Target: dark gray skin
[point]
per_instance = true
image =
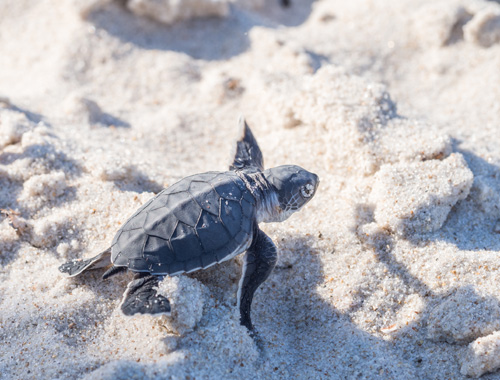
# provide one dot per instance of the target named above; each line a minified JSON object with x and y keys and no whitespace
{"x":203,"y":220}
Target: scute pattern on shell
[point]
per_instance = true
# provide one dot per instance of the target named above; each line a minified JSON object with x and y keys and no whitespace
{"x":195,"y":223}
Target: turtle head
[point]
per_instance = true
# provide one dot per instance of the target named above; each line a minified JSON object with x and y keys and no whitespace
{"x":293,"y":186}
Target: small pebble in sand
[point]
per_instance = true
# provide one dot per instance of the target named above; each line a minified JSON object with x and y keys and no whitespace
{"x":482,"y":356}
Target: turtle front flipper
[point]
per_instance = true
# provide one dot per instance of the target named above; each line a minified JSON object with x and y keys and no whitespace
{"x":75,"y":267}
{"x":259,"y":262}
{"x":141,"y":297}
{"x":248,"y":154}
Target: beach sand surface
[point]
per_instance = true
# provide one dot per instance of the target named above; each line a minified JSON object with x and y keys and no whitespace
{"x":392,"y":271}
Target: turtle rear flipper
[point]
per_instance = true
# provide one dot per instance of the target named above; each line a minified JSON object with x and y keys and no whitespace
{"x":75,"y":267}
{"x":141,"y":297}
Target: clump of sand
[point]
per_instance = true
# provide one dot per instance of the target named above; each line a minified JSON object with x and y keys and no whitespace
{"x":417,"y":197}
{"x":482,"y":356}
{"x":463,"y":317}
{"x":443,"y":23}
{"x":168,"y":11}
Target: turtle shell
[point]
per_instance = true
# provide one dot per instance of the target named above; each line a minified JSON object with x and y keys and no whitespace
{"x":197,"y":222}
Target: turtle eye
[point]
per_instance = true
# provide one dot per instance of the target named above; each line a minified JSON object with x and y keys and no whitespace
{"x":307,"y":190}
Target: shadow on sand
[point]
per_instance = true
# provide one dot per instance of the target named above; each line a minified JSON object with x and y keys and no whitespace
{"x":470,"y":224}
{"x":206,"y":38}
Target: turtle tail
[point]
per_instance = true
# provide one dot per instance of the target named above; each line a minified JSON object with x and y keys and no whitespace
{"x":75,"y":267}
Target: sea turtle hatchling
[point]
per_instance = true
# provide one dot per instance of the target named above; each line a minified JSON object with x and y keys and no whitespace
{"x":203,"y":220}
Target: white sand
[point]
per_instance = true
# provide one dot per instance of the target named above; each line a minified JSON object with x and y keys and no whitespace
{"x":391,"y":272}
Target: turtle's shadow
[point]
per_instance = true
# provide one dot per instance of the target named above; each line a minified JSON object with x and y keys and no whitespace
{"x":291,"y":309}
{"x":294,"y":308}
{"x":205,"y":38}
{"x":296,"y":320}
{"x":382,"y":244}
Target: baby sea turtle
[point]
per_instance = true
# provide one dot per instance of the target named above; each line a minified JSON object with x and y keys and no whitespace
{"x":203,"y":220}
